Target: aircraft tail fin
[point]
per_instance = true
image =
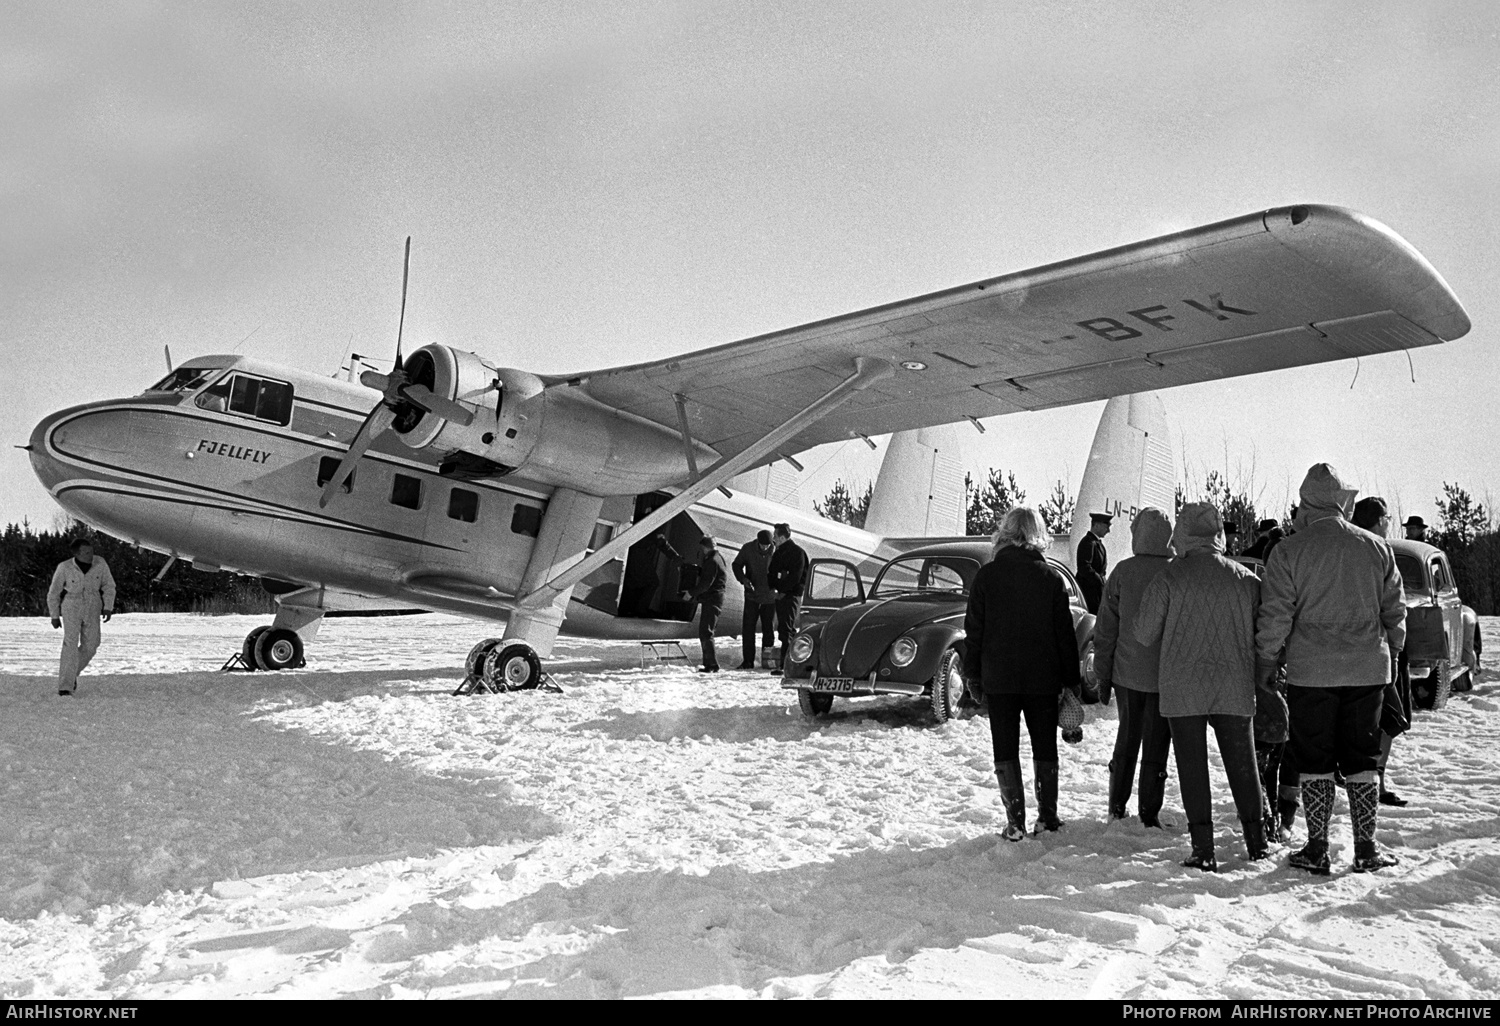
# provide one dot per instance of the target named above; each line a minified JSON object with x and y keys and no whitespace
{"x":1131,"y":466}
{"x":919,"y":491}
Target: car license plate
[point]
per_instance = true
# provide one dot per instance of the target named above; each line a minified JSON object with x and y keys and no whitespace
{"x":835,"y":684}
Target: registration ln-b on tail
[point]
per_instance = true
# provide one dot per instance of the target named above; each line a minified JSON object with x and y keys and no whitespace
{"x":458,"y":484}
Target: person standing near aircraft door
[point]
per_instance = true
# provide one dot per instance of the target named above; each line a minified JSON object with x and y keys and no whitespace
{"x":752,"y":568}
{"x":82,"y":591}
{"x":1093,"y":560}
{"x":713,"y":578}
{"x":788,"y":576}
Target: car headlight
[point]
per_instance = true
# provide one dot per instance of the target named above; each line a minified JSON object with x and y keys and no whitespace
{"x":802,"y":648}
{"x":903,"y":651}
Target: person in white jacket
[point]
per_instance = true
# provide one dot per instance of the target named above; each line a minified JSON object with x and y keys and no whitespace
{"x":83,"y":591}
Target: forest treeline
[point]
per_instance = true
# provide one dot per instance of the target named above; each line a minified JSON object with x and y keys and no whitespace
{"x":28,"y":557}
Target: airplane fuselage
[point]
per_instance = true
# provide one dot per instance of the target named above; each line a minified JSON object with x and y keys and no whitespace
{"x":234,"y":484}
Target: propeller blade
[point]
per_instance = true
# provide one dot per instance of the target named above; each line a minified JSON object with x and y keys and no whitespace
{"x":168,"y":350}
{"x":376,"y":380}
{"x":445,"y":408}
{"x":401,"y":324}
{"x":375,"y":424}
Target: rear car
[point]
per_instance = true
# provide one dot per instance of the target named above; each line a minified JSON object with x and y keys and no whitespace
{"x":906,"y":637}
{"x":1442,"y":634}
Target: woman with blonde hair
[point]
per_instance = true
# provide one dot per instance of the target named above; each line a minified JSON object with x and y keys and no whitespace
{"x":1021,"y":651}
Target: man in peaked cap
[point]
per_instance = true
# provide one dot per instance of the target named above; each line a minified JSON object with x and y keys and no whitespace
{"x":1093,"y":560}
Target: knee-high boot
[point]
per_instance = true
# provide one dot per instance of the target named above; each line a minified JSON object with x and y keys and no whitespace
{"x":1152,"y":792}
{"x":1363,"y":800}
{"x":1317,"y":802}
{"x":1013,"y":798}
{"x":1119,"y":788}
{"x":1046,"y":796}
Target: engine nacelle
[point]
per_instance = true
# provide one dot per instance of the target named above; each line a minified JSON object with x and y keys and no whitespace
{"x":556,"y":436}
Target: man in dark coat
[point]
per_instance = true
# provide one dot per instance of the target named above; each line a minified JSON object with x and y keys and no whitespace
{"x":1093,"y":560}
{"x":752,"y":568}
{"x":713,"y":578}
{"x":1267,"y":534}
{"x":1372,"y":514}
{"x":1021,"y":651}
{"x":1416,"y":529}
{"x":788,"y":576}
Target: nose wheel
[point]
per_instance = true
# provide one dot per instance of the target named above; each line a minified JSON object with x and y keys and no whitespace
{"x":495,"y":665}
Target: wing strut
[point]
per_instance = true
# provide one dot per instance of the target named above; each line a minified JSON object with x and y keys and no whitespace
{"x":687,"y":436}
{"x":867,"y":371}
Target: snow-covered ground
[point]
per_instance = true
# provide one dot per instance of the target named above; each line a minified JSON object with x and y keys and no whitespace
{"x":350,"y":829}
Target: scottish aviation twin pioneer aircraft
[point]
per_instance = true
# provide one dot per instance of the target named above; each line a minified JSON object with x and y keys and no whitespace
{"x":453,"y":483}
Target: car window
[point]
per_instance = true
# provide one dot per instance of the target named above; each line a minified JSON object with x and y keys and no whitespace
{"x":1442,"y":580}
{"x":915,"y":575}
{"x":1413,"y":577}
{"x":832,"y":582}
{"x":1075,"y":593}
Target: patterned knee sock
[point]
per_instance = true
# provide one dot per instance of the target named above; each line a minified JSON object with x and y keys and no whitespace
{"x":1364,"y":800}
{"x":1317,"y":803}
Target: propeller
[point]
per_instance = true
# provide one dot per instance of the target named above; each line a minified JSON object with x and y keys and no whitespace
{"x":395,"y":391}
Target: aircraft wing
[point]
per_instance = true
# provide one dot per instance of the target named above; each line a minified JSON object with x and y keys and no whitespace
{"x":1283,"y":288}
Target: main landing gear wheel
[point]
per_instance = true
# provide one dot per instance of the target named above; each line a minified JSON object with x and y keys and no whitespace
{"x":278,"y":649}
{"x":247,"y":650}
{"x":812,"y":703}
{"x":513,"y":667}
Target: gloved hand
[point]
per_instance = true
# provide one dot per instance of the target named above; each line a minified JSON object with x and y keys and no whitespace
{"x":107,"y":614}
{"x":1105,"y":689}
{"x":56,"y":622}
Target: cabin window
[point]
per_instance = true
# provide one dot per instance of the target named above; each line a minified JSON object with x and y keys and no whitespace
{"x":327,"y":467}
{"x":463,"y":505}
{"x":251,"y":397}
{"x":406,"y":491}
{"x":526,"y":520}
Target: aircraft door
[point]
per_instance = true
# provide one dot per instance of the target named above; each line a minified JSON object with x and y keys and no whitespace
{"x":832,"y":584}
{"x":654,"y":579}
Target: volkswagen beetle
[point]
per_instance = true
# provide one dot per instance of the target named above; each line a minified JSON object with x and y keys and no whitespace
{"x":907,"y":637}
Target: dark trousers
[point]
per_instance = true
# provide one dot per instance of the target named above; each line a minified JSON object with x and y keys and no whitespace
{"x":1142,"y":731}
{"x":1336,"y":729}
{"x":765,"y":612}
{"x":1236,"y":747}
{"x":1041,"y":723}
{"x":708,"y":619}
{"x":787,"y":611}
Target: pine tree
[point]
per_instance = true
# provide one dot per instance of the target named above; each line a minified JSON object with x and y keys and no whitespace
{"x":1057,"y":510}
{"x":988,"y":505}
{"x":839,"y":504}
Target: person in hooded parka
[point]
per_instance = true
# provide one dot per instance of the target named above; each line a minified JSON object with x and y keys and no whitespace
{"x":1202,"y":609}
{"x":1129,"y":668}
{"x":1333,"y":603}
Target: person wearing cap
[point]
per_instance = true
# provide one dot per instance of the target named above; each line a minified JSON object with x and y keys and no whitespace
{"x":752,"y":568}
{"x":1093,"y":560}
{"x":1267,"y":534}
{"x":713,"y":578}
{"x":1201,"y":610}
{"x":1231,"y":538}
{"x":82,"y":593}
{"x":1331,"y":599}
{"x":1416,"y":529}
{"x":1130,"y":668}
{"x":1372,"y":514}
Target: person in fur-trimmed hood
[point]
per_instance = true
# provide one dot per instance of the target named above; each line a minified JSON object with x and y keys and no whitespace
{"x":1201,"y":609}
{"x":1332,"y":600}
{"x":1129,"y":668}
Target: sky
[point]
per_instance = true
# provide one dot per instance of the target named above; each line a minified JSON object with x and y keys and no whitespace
{"x":592,"y":184}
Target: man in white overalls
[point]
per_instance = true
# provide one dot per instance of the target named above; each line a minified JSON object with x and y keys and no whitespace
{"x":82,"y":591}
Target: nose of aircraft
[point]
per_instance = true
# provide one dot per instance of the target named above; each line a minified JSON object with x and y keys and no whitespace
{"x":44,"y":462}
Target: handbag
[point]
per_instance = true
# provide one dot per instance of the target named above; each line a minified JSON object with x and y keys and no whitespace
{"x":1393,"y":719}
{"x":1070,"y":716}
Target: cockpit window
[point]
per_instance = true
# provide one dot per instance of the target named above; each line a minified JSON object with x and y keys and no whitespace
{"x":183,"y":379}
{"x":249,"y":396}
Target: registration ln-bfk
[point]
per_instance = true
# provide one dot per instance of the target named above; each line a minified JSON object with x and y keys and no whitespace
{"x":457,"y":484}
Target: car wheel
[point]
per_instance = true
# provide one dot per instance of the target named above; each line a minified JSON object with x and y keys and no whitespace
{"x":812,"y":703}
{"x":1090,"y":686}
{"x":947,"y":693}
{"x":1442,"y":687}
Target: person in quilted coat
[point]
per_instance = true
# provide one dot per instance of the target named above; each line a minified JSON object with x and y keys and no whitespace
{"x":1202,"y":609}
{"x":1129,"y":668}
{"x":1332,"y":601}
